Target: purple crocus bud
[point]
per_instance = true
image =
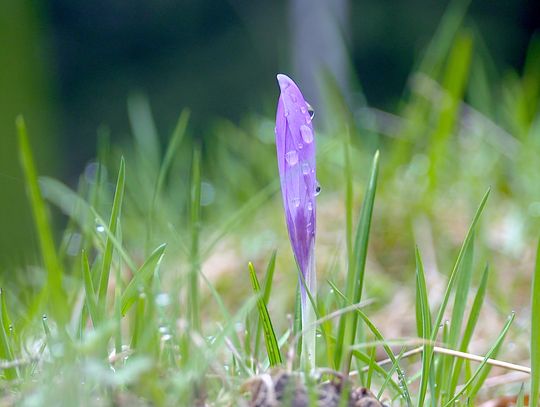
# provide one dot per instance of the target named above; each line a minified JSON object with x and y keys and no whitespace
{"x":295,"y":143}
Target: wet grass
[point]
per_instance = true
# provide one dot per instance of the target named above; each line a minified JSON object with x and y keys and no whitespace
{"x":153,"y":294}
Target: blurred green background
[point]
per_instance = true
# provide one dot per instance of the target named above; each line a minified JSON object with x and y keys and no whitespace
{"x":69,"y":66}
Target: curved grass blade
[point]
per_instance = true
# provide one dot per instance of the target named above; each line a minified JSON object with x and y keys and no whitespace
{"x":367,"y":359}
{"x":267,"y":288}
{"x":142,"y":278}
{"x":355,"y":273}
{"x":404,"y":391}
{"x":272,"y":347}
{"x":457,"y":264}
{"x":195,"y":209}
{"x":115,"y":214}
{"x":90,"y":294}
{"x":174,"y":143}
{"x":535,"y":333}
{"x":54,"y":268}
{"x":5,"y":346}
{"x":480,"y":368}
{"x":469,"y":328}
{"x":423,"y":315}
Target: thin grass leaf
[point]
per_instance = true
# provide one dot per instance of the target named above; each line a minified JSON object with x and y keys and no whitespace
{"x":390,"y":373}
{"x":139,"y":322}
{"x":174,"y":143}
{"x":142,"y":278}
{"x":355,"y":273}
{"x":404,"y":391}
{"x":5,"y":346}
{"x":480,"y":368}
{"x":54,"y":268}
{"x":469,"y":328}
{"x":195,"y":210}
{"x":267,"y":288}
{"x":109,"y":246}
{"x":90,"y":294}
{"x":457,"y":264}
{"x":463,"y":283}
{"x":272,"y":347}
{"x":424,"y":327}
{"x":535,"y":333}
{"x":520,"y":401}
{"x":371,"y":365}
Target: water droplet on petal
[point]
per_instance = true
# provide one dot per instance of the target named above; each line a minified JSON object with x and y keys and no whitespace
{"x":309,"y":206}
{"x":296,"y":202}
{"x":286,"y":113}
{"x":317,"y":189}
{"x":303,"y":109}
{"x":300,"y":146}
{"x":310,"y":111}
{"x":291,"y":157}
{"x":307,"y":134}
{"x":294,"y":98}
{"x":305,"y":168}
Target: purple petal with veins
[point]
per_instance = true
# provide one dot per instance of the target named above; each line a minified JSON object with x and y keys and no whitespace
{"x":295,"y":144}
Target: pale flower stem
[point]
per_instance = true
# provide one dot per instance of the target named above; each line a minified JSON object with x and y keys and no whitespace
{"x":309,"y":327}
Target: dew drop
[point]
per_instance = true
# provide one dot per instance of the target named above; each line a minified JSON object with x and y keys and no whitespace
{"x":300,"y":146}
{"x":317,"y":189}
{"x":305,"y":168}
{"x":307,"y":134}
{"x":310,"y":110}
{"x":309,"y":206}
{"x":296,"y":202}
{"x":303,"y":109}
{"x":286,"y":113}
{"x":162,"y":300}
{"x":291,"y":157}
{"x":294,"y":98}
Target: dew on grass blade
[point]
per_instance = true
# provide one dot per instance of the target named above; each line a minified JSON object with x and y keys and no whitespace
{"x":162,"y":300}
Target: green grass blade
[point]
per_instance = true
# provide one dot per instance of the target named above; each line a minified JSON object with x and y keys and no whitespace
{"x":115,"y":214}
{"x":378,"y":335}
{"x":480,"y":368}
{"x":390,"y":373}
{"x":174,"y":143}
{"x":520,"y":401}
{"x":355,"y":273}
{"x":42,"y":223}
{"x":454,"y":83}
{"x":469,"y":328}
{"x":457,"y":264}
{"x":139,"y":321}
{"x":195,"y":260}
{"x":267,"y":288}
{"x":5,"y":346}
{"x":367,"y":359}
{"x":424,"y":327}
{"x":349,"y":195}
{"x":90,"y":294}
{"x":142,"y":278}
{"x":272,"y":347}
{"x":144,"y":131}
{"x":535,"y":333}
{"x":463,"y":283}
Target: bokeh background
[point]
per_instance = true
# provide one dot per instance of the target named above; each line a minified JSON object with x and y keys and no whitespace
{"x":70,"y":66}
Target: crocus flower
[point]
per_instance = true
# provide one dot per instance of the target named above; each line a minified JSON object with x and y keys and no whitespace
{"x":295,"y":145}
